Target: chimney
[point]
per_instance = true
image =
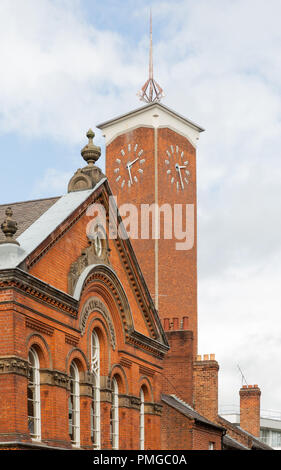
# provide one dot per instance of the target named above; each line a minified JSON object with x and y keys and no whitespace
{"x":177,"y":364}
{"x":250,"y":409}
{"x":205,"y":393}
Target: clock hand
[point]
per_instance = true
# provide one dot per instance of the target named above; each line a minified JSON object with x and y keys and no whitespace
{"x":129,"y":170}
{"x":178,"y":168}
{"x":129,"y":165}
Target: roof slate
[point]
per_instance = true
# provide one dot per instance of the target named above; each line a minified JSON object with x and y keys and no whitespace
{"x":229,"y":442}
{"x":26,"y":213}
{"x":256,"y":443}
{"x":187,"y":410}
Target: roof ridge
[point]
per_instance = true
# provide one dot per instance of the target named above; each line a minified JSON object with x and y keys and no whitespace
{"x":182,"y":401}
{"x":29,"y":200}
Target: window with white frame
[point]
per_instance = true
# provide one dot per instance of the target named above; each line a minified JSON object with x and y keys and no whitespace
{"x":114,"y":416}
{"x":74,"y":406}
{"x":142,"y":436}
{"x":95,"y":409}
{"x":211,"y":446}
{"x":33,"y":396}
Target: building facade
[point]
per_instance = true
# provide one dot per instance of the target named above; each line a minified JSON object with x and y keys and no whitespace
{"x":98,"y":309}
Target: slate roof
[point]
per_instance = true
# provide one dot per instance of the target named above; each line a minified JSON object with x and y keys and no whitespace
{"x":231,"y":443}
{"x":256,"y":443}
{"x":33,"y":233}
{"x":187,"y":410}
{"x":26,"y":213}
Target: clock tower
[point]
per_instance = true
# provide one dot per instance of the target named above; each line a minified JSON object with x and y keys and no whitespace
{"x":151,"y":164}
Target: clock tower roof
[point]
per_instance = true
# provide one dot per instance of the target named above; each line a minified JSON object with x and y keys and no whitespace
{"x":154,"y":115}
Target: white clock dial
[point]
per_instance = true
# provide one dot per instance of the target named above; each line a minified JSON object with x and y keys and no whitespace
{"x":129,"y":167}
{"x":176,"y":166}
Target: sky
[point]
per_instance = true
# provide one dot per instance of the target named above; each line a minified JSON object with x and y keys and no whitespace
{"x":67,"y":65}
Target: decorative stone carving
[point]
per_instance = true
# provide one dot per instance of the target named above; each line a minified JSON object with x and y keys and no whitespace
{"x":106,"y":395}
{"x":89,"y":176}
{"x":60,"y":379}
{"x":54,"y":377}
{"x":93,"y":254}
{"x":9,"y":227}
{"x":158,"y":409}
{"x":135,"y":403}
{"x":153,"y":408}
{"x":14,"y":365}
{"x":94,"y":304}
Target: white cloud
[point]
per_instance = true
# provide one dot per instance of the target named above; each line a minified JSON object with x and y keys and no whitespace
{"x":53,"y":183}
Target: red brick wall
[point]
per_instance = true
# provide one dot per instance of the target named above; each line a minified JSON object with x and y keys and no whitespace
{"x":176,"y":430}
{"x":202,"y":437}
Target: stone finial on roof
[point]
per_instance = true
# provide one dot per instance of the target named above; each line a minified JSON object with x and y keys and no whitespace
{"x":90,"y":175}
{"x":91,"y":153}
{"x":9,"y":227}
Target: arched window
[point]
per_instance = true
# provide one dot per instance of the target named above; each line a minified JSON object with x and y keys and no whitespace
{"x":33,"y":396}
{"x":74,"y":406}
{"x":95,"y":409}
{"x":114,"y":416}
{"x":142,"y":433}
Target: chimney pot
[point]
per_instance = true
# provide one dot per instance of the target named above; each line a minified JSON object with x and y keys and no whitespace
{"x":185,"y":323}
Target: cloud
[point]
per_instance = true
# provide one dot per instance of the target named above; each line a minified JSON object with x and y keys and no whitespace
{"x":60,"y":73}
{"x":53,"y":182}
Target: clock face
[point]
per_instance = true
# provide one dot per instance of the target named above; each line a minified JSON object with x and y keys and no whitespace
{"x":176,"y":166}
{"x":129,"y":166}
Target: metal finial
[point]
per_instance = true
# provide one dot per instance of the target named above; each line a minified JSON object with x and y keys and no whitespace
{"x":151,"y":91}
{"x":91,"y":153}
{"x":9,"y":227}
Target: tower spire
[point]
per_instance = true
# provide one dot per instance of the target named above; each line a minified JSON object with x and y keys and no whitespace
{"x":150,"y":91}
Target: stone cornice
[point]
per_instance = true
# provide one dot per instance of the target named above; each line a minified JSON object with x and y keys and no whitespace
{"x":148,"y":344}
{"x":37,"y":325}
{"x":39,"y":290}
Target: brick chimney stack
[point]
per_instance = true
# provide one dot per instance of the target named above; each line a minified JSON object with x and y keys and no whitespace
{"x":205,"y":370}
{"x":177,"y":364}
{"x":250,"y":409}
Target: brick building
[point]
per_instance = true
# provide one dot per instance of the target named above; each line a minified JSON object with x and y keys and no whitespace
{"x":98,"y":344}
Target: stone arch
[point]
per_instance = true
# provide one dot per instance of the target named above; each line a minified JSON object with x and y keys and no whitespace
{"x":118,"y":371}
{"x":107,"y":277}
{"x":42,"y":348}
{"x":75,"y":354}
{"x":146,"y":385}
